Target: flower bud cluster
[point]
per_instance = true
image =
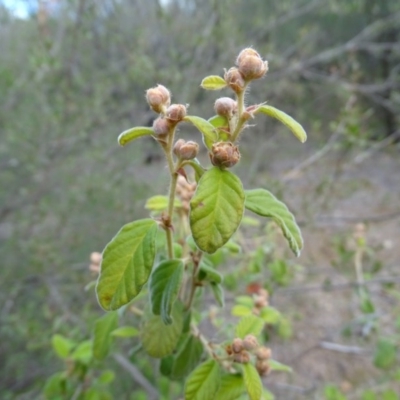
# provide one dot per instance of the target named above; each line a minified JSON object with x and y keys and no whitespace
{"x":95,"y":261}
{"x":159,"y":98}
{"x":260,"y":301}
{"x":186,"y":150}
{"x":241,"y":351}
{"x":185,"y":191}
{"x":224,"y":154}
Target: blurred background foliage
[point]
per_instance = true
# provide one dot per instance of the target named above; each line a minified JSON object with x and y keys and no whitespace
{"x":73,"y":75}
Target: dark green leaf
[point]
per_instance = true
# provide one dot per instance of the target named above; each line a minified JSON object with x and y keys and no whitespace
{"x":187,"y":358}
{"x":102,"y":339}
{"x":218,"y":293}
{"x":207,"y":272}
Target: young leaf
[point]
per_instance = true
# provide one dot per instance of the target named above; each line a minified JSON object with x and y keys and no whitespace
{"x":270,"y":315}
{"x":159,"y":340}
{"x":165,"y":282}
{"x":252,"y":381}
{"x":127,"y":263}
{"x":125,"y":332}
{"x":203,"y":382}
{"x":160,"y":203}
{"x":134,"y":133}
{"x":241,"y":310}
{"x":277,"y":366}
{"x":281,"y":116}
{"x":265,"y":204}
{"x":61,"y":345}
{"x":213,"y":82}
{"x":249,"y":325}
{"x":217,"y":121}
{"x":232,"y":387}
{"x":218,"y":293}
{"x":216,"y":209}
{"x":207,"y":272}
{"x":209,"y":134}
{"x":102,"y":339}
{"x":187,"y":358}
{"x":84,"y":352}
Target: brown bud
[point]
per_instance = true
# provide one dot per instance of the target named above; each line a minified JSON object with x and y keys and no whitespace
{"x":263,"y":353}
{"x":158,"y":98}
{"x":250,"y":342}
{"x":237,"y":345}
{"x":178,"y":145}
{"x":189,"y":150}
{"x":224,"y":154}
{"x":234,"y":80}
{"x":176,"y":112}
{"x":242,"y":357}
{"x":263,"y":367}
{"x":228,"y":350}
{"x":251,"y":65}
{"x":225,"y":106}
{"x":161,"y":127}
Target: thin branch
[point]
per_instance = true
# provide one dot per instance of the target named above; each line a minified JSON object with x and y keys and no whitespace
{"x":342,"y":348}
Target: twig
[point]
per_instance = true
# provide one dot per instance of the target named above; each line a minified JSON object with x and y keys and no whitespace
{"x":342,"y":348}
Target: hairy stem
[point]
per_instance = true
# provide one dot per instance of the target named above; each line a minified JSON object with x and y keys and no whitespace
{"x":240,"y":121}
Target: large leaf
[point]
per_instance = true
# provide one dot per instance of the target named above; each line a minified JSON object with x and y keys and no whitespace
{"x":232,"y":387}
{"x":159,"y":340}
{"x":102,"y":340}
{"x":203,"y":382}
{"x":291,"y":123}
{"x":165,"y":282}
{"x":213,"y":82}
{"x":216,"y":209}
{"x":209,"y":134}
{"x":264,"y":203}
{"x":127,"y":263}
{"x":252,"y":381}
{"x":249,"y":325}
{"x":134,"y":133}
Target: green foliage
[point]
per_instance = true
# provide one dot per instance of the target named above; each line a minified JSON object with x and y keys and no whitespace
{"x":231,"y":387}
{"x":134,"y":133}
{"x":385,"y":354}
{"x":252,"y":381}
{"x":332,"y":392}
{"x":249,"y":325}
{"x":213,"y":82}
{"x":103,"y":330}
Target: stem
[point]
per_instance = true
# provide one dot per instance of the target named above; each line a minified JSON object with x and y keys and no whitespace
{"x":241,"y":121}
{"x":193,"y":288}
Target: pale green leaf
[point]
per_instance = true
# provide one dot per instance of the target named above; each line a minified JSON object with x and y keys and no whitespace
{"x":252,"y":381}
{"x":286,"y":119}
{"x":83,"y":352}
{"x":134,"y":133}
{"x":160,"y":203}
{"x":187,"y":358}
{"x":127,"y":263}
{"x":165,"y":282}
{"x":125,"y":332}
{"x":245,"y":301}
{"x":277,"y":366}
{"x":267,"y":395}
{"x":270,"y":315}
{"x":249,"y":325}
{"x":102,"y":339}
{"x":216,"y":209}
{"x":231,"y":388}
{"x":265,"y":204}
{"x":218,"y":121}
{"x":218,"y":293}
{"x":61,"y":345}
{"x":159,"y":340}
{"x":241,"y":310}
{"x":203,"y":382}
{"x":209,"y":133}
{"x":213,"y":82}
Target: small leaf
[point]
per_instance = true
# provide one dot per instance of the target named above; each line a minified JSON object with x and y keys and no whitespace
{"x":207,"y":272}
{"x":241,"y":310}
{"x":218,"y":121}
{"x":252,"y":381}
{"x":55,"y":387}
{"x":134,"y":133}
{"x":218,"y":293}
{"x":102,"y":339}
{"x":125,"y":332}
{"x":286,"y":119}
{"x":249,"y":325}
{"x":166,"y":365}
{"x":213,"y":82}
{"x":232,"y":387}
{"x":216,"y":209}
{"x":245,"y":301}
{"x":270,"y":315}
{"x":165,"y":282}
{"x":107,"y":377}
{"x":209,"y":134}
{"x":83,"y":353}
{"x":203,"y":382}
{"x":187,"y":358}
{"x":127,"y":263}
{"x":265,"y":204}
{"x":160,"y":203}
{"x":277,"y":366}
{"x":159,"y":340}
{"x":61,"y":345}
{"x":385,"y":354}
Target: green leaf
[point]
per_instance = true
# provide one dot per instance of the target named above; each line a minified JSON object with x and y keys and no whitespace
{"x":216,"y":209}
{"x":102,"y":340}
{"x":207,"y":272}
{"x":218,"y":293}
{"x":61,"y":345}
{"x":213,"y":82}
{"x":187,"y":358}
{"x":286,"y":119}
{"x":203,"y":382}
{"x":385,"y":354}
{"x":270,"y":315}
{"x":368,"y":395}
{"x":134,"y":133}
{"x":106,"y":377}
{"x":277,"y":366}
{"x":166,"y":365}
{"x":218,"y":121}
{"x":160,"y":203}
{"x":241,"y":310}
{"x":83,"y":352}
{"x":209,"y":133}
{"x":389,"y":394}
{"x":252,"y":381}
{"x":125,"y":332}
{"x":231,"y":388}
{"x":159,"y":340}
{"x":127,"y":263}
{"x":267,"y":395}
{"x":265,"y":204}
{"x":245,"y":301}
{"x":331,"y":392}
{"x":55,"y":386}
{"x":249,"y":325}
{"x":165,"y":282}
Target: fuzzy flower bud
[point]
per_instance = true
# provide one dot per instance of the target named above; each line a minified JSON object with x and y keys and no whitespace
{"x":161,"y":127}
{"x":263,"y":353}
{"x":224,"y":154}
{"x":250,"y":342}
{"x":262,"y":367}
{"x":225,"y":106}
{"x":186,"y":150}
{"x":237,"y":345}
{"x":158,"y":98}
{"x":234,"y":80}
{"x":242,"y":357}
{"x":250,"y":64}
{"x":176,"y":112}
